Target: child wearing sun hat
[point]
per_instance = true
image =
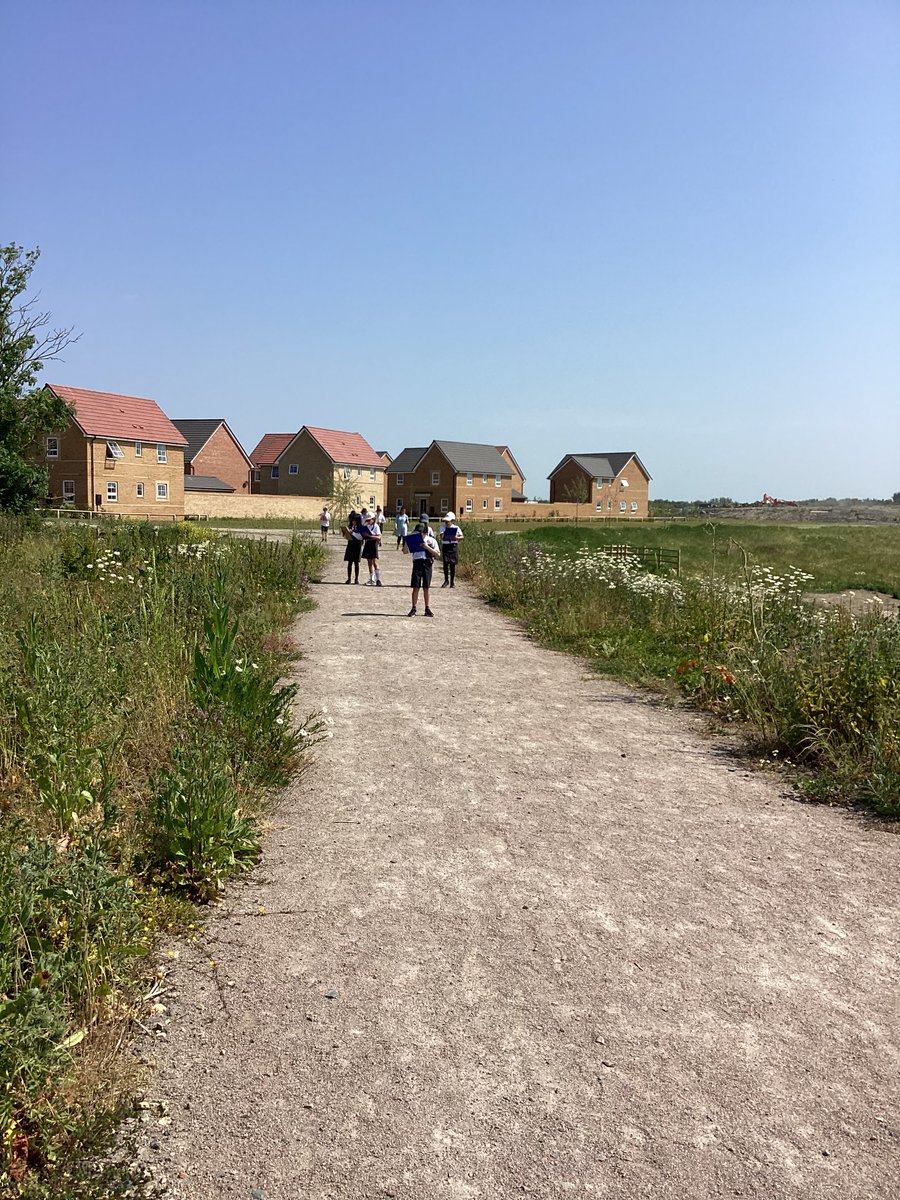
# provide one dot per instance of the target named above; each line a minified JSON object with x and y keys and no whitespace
{"x":451,"y":536}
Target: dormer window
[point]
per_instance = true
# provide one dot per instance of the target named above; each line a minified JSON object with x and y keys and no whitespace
{"x":114,"y":450}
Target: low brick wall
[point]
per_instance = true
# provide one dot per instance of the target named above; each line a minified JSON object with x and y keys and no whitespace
{"x":212,"y":504}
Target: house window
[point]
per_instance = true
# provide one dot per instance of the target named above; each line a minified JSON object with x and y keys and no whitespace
{"x":498,"y":503}
{"x":445,"y":504}
{"x":469,"y":479}
{"x":256,"y":476}
{"x":294,"y":469}
{"x":469,"y":504}
{"x":484,"y":479}
{"x":399,"y":505}
{"x":622,"y":506}
{"x":634,"y":506}
{"x":498,"y":480}
{"x":371,"y":474}
{"x":359,"y":472}
{"x":138,"y":449}
{"x":114,"y":450}
{"x":600,"y":505}
{"x":435,"y":478}
{"x":399,"y":481}
{"x":161,"y":454}
{"x":162,"y":491}
{"x":139,"y":488}
{"x":68,"y":491}
{"x":276,"y":471}
{"x":112,"y":493}
{"x":346,"y":472}
{"x":371,"y":502}
{"x":484,"y":504}
{"x":53,"y":447}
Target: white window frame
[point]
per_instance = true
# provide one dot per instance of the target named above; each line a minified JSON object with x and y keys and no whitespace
{"x":372,"y":501}
{"x":445,"y":504}
{"x":484,"y":477}
{"x":400,"y":479}
{"x":293,"y":469}
{"x":484,"y":504}
{"x":162,"y":489}
{"x":112,"y":492}
{"x":359,"y":472}
{"x":276,"y":471}
{"x":114,"y":450}
{"x":52,"y":446}
{"x":498,"y":481}
{"x":256,"y":474}
{"x":138,"y":449}
{"x":469,"y":479}
{"x":139,"y":490}
{"x":468,"y":504}
{"x":371,"y":474}
{"x":498,"y":503}
{"x":347,"y":473}
{"x":634,"y":506}
{"x":68,"y":491}
{"x":399,"y":505}
{"x":162,"y":454}
{"x":435,"y":479}
{"x":622,"y":505}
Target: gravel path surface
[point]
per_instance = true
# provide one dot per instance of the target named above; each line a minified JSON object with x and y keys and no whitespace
{"x":528,"y":934}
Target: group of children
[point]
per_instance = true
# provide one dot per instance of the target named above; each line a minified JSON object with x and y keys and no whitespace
{"x":364,"y":532}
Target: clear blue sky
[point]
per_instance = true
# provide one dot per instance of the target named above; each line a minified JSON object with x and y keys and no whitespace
{"x":651,"y":225}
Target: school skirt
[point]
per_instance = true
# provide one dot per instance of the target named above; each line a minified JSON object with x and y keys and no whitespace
{"x":370,"y":549}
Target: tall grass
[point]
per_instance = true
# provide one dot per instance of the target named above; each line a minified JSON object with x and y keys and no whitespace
{"x":820,"y":688}
{"x":142,"y":719}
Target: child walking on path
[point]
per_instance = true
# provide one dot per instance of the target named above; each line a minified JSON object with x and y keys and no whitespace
{"x":354,"y":546}
{"x":370,"y":550}
{"x":422,"y":562}
{"x":451,"y":536}
{"x":324,"y":522}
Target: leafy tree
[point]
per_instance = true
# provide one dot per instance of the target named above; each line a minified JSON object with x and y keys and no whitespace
{"x":896,"y":497}
{"x":26,"y":410}
{"x":342,"y":494}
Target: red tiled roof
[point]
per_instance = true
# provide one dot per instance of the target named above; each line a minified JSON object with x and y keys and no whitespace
{"x":351,"y":449}
{"x":270,"y":447}
{"x":108,"y":415}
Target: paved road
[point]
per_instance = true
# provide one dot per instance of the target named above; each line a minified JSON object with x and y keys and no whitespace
{"x":528,"y":934}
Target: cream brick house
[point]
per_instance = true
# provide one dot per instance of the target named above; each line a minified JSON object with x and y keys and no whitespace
{"x":609,"y":484}
{"x":119,"y":455}
{"x":311,"y":461}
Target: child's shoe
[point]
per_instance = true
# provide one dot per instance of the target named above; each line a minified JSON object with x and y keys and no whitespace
{"x":428,"y":612}
{"x":412,"y":611}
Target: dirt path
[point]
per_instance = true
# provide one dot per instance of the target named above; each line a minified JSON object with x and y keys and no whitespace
{"x":526,"y":934}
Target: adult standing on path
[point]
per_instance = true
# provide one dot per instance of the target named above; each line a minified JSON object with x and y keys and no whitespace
{"x":576,"y":951}
{"x":451,"y":536}
{"x":324,"y":522}
{"x":401,"y":526}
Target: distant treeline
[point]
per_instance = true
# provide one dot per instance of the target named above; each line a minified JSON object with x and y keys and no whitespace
{"x":694,"y":508}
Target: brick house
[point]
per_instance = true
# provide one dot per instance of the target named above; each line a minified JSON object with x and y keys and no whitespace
{"x":119,"y":455}
{"x":518,"y":479}
{"x":312,"y":461}
{"x":263,"y":457}
{"x":612,"y":484}
{"x":474,"y":480}
{"x":214,"y":460}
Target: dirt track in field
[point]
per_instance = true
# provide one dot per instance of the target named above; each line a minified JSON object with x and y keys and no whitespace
{"x":526,"y":933}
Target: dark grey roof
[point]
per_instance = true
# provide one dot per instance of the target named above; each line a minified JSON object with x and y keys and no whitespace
{"x":518,"y":496}
{"x":602,"y":465}
{"x":206,"y":483}
{"x":406,"y":460}
{"x":198,"y":433}
{"x":464,"y":457}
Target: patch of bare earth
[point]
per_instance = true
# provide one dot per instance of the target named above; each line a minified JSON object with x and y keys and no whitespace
{"x":527,"y":934}
{"x":859,"y":603}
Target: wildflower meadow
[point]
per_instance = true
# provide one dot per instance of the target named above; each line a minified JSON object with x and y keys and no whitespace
{"x":817,"y":688}
{"x":143,"y":719}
